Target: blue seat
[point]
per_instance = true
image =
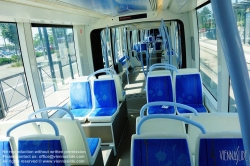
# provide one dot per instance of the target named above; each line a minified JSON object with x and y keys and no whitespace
{"x":7,"y":147}
{"x":35,"y":149}
{"x":159,"y":148}
{"x":105,"y":101}
{"x":159,"y":88}
{"x":158,"y":45}
{"x":222,"y":148}
{"x":162,"y":149}
{"x":80,"y":99}
{"x":75,"y":138}
{"x":188,"y":90}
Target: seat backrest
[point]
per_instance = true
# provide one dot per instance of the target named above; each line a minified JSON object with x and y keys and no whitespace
{"x":220,"y":148}
{"x":213,"y":122}
{"x":41,"y":148}
{"x":31,"y":147}
{"x":168,"y":126}
{"x":188,"y":86}
{"x":159,"y":88}
{"x":118,"y":85}
{"x":104,"y":93}
{"x":7,"y":147}
{"x":165,"y":149}
{"x":80,"y":94}
{"x":75,"y":139}
{"x":159,"y":72}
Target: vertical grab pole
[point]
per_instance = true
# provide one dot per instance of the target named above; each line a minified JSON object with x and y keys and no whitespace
{"x":236,"y":63}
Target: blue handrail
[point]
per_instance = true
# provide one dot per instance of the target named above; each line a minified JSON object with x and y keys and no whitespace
{"x":52,"y":108}
{"x":32,"y":121}
{"x":176,"y":117}
{"x":100,"y":71}
{"x":108,"y":69}
{"x":163,"y":103}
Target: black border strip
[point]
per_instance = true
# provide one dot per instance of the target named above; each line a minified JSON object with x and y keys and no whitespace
{"x":51,"y":25}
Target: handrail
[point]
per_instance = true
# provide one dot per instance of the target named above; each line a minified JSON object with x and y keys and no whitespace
{"x":163,"y":103}
{"x":32,"y":121}
{"x":110,"y":69}
{"x":51,"y":108}
{"x":100,"y":71}
{"x":176,"y":117}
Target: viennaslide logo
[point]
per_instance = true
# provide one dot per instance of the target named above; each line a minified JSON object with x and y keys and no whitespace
{"x":234,"y":155}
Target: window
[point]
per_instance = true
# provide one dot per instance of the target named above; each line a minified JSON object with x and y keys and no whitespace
{"x":208,"y":49}
{"x":106,"y":45}
{"x":241,"y":11}
{"x":13,"y":85}
{"x":56,"y":61}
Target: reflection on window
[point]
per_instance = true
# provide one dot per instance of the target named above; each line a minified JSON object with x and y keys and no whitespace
{"x":117,"y":33}
{"x":208,"y":49}
{"x":242,"y":15}
{"x":106,"y":46}
{"x":13,"y":85}
{"x":56,"y":61}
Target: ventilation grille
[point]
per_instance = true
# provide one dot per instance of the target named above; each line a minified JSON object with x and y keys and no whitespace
{"x":153,"y":4}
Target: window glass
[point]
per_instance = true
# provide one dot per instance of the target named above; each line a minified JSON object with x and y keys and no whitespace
{"x":106,"y":45}
{"x":13,"y":86}
{"x":242,"y":15}
{"x":56,"y":61}
{"x":208,"y":49}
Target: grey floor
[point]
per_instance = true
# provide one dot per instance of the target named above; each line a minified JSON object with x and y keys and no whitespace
{"x":136,"y":98}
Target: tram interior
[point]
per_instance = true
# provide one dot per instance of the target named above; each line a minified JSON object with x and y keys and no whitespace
{"x":129,"y":83}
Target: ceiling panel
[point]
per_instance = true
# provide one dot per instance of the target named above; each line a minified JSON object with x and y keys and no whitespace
{"x":182,"y":6}
{"x":112,"y":7}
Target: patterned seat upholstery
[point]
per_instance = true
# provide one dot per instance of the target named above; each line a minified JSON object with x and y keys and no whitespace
{"x":222,"y":148}
{"x":105,"y":101}
{"x":159,"y":88}
{"x":118,"y":85}
{"x":7,"y":147}
{"x":188,"y":90}
{"x":80,"y":99}
{"x":40,"y":147}
{"x":163,"y":149}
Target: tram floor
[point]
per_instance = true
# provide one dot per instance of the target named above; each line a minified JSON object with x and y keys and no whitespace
{"x":136,"y":98}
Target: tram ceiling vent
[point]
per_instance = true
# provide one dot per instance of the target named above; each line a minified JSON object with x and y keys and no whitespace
{"x":153,"y":4}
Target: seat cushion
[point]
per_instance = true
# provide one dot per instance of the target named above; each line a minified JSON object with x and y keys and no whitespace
{"x":109,"y":111}
{"x":199,"y":108}
{"x":161,"y":110}
{"x":92,"y":143}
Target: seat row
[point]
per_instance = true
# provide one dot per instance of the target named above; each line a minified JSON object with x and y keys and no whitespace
{"x":53,"y":142}
{"x":182,"y":86}
{"x":204,"y":139}
{"x":96,"y":100}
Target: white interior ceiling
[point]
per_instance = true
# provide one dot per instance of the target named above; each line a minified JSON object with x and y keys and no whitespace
{"x":60,"y":11}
